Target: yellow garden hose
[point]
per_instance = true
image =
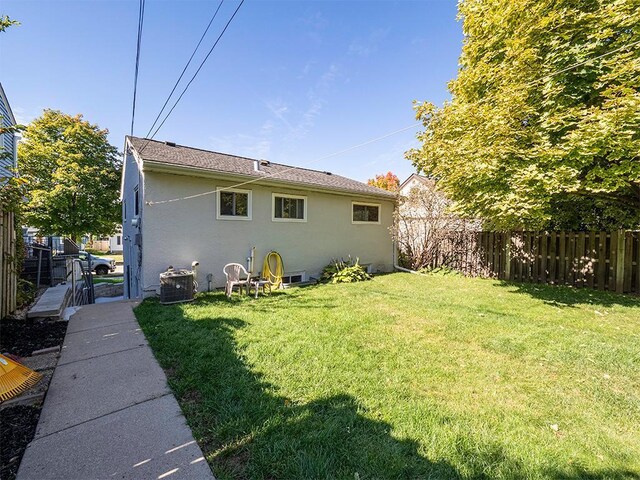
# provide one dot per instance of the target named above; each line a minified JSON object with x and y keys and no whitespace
{"x":274,"y":276}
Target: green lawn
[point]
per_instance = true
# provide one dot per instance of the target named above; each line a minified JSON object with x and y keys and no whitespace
{"x":101,"y":279}
{"x":117,"y":257}
{"x":408,"y":376}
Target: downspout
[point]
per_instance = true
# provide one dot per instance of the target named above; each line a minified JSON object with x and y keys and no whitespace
{"x":398,"y":267}
{"x":250,"y":260}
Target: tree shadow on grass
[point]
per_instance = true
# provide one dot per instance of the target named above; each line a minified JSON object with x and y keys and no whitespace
{"x":565,"y":296}
{"x":580,"y":474}
{"x":247,"y":429}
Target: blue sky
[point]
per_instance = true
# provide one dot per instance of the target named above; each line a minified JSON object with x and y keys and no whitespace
{"x":291,"y":81}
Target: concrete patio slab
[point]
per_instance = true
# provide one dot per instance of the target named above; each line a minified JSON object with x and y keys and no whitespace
{"x":101,"y":315}
{"x":149,"y":440}
{"x":88,"y":389}
{"x":51,"y":303}
{"x":95,"y":342}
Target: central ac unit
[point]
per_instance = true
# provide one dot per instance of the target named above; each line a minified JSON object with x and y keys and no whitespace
{"x":176,"y":286}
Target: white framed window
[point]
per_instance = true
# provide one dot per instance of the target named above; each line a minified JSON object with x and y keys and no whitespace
{"x":233,"y":204}
{"x":365,"y":213}
{"x":288,"y":208}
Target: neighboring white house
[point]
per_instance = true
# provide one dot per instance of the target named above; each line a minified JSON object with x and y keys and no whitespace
{"x":112,"y":244}
{"x":420,"y":183}
{"x":426,"y":231}
{"x":421,"y":201}
{"x":115,"y":242}
{"x":183,"y":204}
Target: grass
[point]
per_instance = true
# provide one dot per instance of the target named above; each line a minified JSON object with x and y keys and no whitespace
{"x":117,"y":257}
{"x":408,"y":376}
{"x":104,"y":279}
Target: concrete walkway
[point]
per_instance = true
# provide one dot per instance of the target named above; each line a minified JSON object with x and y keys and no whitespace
{"x":109,"y":412}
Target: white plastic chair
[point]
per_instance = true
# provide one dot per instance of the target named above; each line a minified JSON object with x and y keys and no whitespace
{"x":234,"y":273}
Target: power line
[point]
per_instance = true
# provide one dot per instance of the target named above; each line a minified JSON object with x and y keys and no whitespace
{"x":185,"y":68}
{"x":606,"y":54}
{"x":563,"y":70}
{"x":193,"y":77}
{"x":135,"y":75}
{"x":533,"y":82}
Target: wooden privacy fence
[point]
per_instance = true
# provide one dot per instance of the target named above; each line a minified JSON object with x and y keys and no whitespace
{"x":600,"y":260}
{"x":8,"y":273}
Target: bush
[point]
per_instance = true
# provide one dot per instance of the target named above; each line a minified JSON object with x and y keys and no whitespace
{"x":344,"y":272}
{"x":26,"y":293}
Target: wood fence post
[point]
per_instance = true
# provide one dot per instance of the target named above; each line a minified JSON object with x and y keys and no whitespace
{"x":39,"y":268}
{"x":50,"y":256}
{"x":620,"y":251}
{"x":507,"y":255}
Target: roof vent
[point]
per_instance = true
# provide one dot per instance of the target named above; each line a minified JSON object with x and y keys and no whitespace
{"x":264,"y":163}
{"x":170,"y":144}
{"x":328,"y":173}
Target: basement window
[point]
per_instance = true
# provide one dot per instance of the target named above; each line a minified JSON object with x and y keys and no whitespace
{"x":291,"y":278}
{"x":233,"y":204}
{"x":365,"y":213}
{"x":289,"y":208}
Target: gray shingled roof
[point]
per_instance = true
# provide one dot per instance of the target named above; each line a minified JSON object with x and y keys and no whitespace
{"x":179,"y":155}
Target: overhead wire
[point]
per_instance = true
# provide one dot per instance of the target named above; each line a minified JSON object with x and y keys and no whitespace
{"x":266,"y":177}
{"x":194,"y":76}
{"x":213,"y":17}
{"x":141,"y":6}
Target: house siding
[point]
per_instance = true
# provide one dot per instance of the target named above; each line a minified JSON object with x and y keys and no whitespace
{"x":8,"y":141}
{"x":132,"y":253}
{"x":178,"y":233}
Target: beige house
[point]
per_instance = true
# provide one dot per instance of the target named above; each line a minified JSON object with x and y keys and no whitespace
{"x":183,"y":204}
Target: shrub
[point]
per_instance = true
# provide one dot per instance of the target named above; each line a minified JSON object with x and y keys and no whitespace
{"x":26,"y":293}
{"x":344,"y":272}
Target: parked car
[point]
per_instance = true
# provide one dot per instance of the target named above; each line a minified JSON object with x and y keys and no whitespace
{"x":100,"y":265}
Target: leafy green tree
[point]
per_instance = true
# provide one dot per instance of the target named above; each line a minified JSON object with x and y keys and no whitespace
{"x":6,"y":22}
{"x":543,"y":129}
{"x":12,"y":188}
{"x":73,"y":175}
